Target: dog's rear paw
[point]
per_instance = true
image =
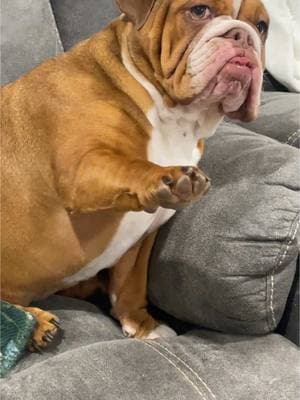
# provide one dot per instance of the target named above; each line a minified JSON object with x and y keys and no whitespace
{"x":46,"y":330}
{"x":141,"y":325}
{"x":162,"y":331}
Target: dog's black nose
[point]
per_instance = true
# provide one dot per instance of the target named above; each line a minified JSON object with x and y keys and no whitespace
{"x":241,"y":36}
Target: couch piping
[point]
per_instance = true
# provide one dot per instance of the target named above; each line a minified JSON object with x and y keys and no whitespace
{"x":188,"y":367}
{"x":178,"y":369}
{"x":280,"y":258}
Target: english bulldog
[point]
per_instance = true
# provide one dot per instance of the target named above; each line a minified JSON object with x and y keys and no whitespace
{"x":101,"y":145}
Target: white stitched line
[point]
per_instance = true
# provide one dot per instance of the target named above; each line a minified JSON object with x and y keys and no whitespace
{"x":292,"y":135}
{"x":295,"y":139}
{"x":174,"y":365}
{"x":188,"y":367}
{"x":280,"y":261}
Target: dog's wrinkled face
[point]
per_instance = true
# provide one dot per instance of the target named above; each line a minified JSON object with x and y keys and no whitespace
{"x":208,"y":50}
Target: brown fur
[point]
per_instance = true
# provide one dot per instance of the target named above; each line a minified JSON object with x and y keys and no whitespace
{"x":74,"y":155}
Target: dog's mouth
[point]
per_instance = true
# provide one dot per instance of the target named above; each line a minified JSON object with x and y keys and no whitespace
{"x":233,"y":83}
{"x":245,"y":76}
{"x":227,"y":74}
{"x":236,"y":87}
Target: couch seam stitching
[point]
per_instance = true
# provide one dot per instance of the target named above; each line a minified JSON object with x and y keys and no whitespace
{"x":178,"y":369}
{"x":295,"y":139}
{"x":280,"y":257}
{"x":292,"y":135}
{"x":188,"y":367}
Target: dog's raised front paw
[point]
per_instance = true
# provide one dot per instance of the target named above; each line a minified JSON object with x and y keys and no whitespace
{"x":177,"y":187}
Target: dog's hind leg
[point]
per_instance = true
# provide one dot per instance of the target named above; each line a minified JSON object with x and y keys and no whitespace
{"x":128,"y":293}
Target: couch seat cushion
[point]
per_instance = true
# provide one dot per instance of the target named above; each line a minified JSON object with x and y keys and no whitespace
{"x":93,"y":362}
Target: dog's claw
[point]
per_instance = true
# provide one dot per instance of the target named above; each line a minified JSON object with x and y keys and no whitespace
{"x":48,"y":337}
{"x":36,"y":347}
{"x":55,"y":322}
{"x":127,"y":334}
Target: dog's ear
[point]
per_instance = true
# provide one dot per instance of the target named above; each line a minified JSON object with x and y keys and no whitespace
{"x":136,"y":10}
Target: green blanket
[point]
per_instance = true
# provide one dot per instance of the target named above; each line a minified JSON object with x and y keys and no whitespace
{"x":17,"y":327}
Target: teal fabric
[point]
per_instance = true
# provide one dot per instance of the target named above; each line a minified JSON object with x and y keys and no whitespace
{"x":17,"y":328}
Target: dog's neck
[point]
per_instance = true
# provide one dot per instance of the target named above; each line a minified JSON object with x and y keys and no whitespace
{"x":176,"y":128}
{"x":196,"y":117}
{"x":136,"y":55}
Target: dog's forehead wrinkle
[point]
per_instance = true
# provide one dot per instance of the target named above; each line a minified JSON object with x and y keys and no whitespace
{"x":161,"y":113}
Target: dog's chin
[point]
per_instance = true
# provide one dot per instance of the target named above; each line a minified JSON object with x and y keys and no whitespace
{"x":236,"y":88}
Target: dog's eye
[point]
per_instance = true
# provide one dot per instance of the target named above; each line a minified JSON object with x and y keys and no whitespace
{"x":262,"y":27}
{"x":200,"y":11}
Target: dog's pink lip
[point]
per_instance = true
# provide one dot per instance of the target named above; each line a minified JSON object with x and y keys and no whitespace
{"x":236,"y":71}
{"x":242,"y":62}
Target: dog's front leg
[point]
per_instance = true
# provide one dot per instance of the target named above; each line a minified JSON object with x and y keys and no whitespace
{"x":106,"y":180}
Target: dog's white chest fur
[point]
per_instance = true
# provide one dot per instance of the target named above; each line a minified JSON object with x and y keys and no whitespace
{"x":174,"y":139}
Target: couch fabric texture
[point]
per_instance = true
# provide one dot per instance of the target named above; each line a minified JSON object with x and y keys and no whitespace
{"x":92,"y":362}
{"x":77,"y":20}
{"x":28,"y":36}
{"x":241,"y":286}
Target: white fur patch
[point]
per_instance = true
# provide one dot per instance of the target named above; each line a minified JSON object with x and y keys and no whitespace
{"x":176,"y":130}
{"x":218,"y":27}
{"x":202,"y":49}
{"x":162,"y":331}
{"x":128,"y":331}
{"x":113,"y":299}
{"x":197,"y":155}
{"x":133,"y":226}
{"x":236,"y":7}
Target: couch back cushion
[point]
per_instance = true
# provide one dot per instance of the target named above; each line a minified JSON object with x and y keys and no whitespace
{"x":28,"y":36}
{"x":77,"y":19}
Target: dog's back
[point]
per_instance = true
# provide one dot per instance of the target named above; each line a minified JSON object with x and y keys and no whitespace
{"x":52,"y":117}
{"x":37,"y":234}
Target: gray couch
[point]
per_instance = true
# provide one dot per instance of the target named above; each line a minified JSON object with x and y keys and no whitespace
{"x":223,"y":271}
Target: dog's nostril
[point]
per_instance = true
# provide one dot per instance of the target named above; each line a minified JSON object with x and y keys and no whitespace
{"x":241,"y":36}
{"x":237,"y":36}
